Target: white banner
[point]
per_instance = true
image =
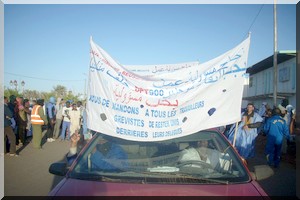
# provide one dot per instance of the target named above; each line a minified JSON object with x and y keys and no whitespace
{"x":160,"y":102}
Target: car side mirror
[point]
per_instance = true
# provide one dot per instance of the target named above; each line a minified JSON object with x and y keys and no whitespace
{"x":58,"y":168}
{"x":262,"y":172}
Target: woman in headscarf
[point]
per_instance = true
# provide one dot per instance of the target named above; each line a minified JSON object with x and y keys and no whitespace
{"x":21,"y":121}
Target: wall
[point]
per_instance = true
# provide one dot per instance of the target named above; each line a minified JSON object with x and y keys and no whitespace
{"x":261,"y":84}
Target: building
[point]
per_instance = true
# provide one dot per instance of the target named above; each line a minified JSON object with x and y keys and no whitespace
{"x":259,"y":84}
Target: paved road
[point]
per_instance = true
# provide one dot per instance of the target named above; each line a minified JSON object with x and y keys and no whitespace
{"x":283,"y":182}
{"x":27,"y":175}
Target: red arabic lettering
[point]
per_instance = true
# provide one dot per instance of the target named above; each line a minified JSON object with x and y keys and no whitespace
{"x":130,"y":75}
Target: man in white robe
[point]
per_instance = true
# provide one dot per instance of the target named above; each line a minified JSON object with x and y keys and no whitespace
{"x":74,"y":119}
{"x":201,"y":153}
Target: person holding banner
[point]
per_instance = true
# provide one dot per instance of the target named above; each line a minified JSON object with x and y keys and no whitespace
{"x":246,"y":133}
{"x":106,"y":156}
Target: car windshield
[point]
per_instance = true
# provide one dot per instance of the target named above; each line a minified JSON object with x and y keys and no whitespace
{"x":205,"y":157}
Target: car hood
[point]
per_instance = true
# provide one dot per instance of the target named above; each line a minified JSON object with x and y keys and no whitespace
{"x":73,"y":187}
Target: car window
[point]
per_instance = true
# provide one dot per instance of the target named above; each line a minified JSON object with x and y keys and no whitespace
{"x":203,"y":157}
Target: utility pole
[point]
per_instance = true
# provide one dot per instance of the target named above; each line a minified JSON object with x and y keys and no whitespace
{"x":85,"y":89}
{"x":85,"y":86}
{"x":275,"y":56}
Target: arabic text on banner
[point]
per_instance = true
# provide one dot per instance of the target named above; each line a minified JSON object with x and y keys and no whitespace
{"x":160,"y":102}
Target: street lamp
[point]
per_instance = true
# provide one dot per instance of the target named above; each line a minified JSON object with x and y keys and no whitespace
{"x":85,"y":86}
{"x":16,"y":84}
{"x":11,"y":84}
{"x":23,"y":84}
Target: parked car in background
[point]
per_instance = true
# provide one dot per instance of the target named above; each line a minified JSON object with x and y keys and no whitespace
{"x":200,"y":164}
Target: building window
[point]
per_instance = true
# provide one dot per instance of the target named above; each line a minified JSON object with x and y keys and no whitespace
{"x":284,"y":74}
{"x":251,"y":82}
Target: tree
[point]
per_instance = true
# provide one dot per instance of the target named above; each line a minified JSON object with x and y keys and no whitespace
{"x":9,"y":92}
{"x":31,"y":94}
{"x":59,"y":91}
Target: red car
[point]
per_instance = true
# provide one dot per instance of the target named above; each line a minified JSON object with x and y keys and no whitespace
{"x":201,"y":164}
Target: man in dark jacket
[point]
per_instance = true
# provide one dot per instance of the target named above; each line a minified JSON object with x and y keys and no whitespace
{"x":8,"y":131}
{"x":275,"y":128}
{"x":51,"y":117}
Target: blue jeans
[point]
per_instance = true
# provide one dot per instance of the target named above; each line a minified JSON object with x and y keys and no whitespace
{"x":65,"y":126}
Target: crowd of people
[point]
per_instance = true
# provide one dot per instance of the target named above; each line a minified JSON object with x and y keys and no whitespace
{"x":62,"y":119}
{"x":277,"y":124}
{"x":24,"y":119}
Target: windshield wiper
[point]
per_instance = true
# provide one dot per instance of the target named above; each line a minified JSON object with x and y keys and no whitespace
{"x":176,"y":175}
{"x":91,"y":177}
{"x":111,"y":178}
{"x":148,"y":177}
{"x":208,"y":180}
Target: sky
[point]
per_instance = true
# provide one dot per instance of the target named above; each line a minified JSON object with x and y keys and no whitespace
{"x":47,"y":45}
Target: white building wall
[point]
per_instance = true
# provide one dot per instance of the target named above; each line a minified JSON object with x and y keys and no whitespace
{"x":287,"y":76}
{"x":261,"y":83}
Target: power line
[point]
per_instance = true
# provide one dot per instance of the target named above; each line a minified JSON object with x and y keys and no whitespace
{"x":261,"y":7}
{"x":44,"y":79}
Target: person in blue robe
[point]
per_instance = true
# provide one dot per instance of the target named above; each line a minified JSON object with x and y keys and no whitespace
{"x":246,"y":133}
